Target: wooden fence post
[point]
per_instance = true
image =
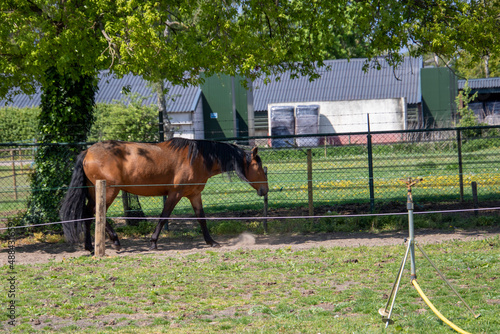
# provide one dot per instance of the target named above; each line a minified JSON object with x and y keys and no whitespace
{"x":100,"y":218}
{"x":14,"y":181}
{"x":310,"y":182}
{"x":474,"y":196}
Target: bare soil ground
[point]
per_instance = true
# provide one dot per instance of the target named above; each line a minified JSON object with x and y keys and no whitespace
{"x":45,"y":252}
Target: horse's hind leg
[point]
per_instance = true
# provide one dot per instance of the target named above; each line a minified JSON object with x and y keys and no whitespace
{"x":170,"y":203}
{"x":197,"y":205}
{"x":89,"y":213}
{"x":113,"y":236}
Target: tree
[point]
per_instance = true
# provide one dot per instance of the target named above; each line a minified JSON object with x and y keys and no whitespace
{"x":467,"y":116}
{"x":176,"y":40}
{"x":464,"y":31}
{"x":485,"y":68}
{"x":65,"y":117}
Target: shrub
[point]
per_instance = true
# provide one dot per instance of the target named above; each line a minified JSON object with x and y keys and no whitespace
{"x":18,"y":124}
{"x":119,"y":121}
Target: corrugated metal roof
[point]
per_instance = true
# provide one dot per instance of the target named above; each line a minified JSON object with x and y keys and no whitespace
{"x":23,"y":101}
{"x":179,"y":99}
{"x":345,"y":81}
{"x":480,"y":83}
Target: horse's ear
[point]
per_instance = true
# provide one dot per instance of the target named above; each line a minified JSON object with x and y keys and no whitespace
{"x":255,"y":150}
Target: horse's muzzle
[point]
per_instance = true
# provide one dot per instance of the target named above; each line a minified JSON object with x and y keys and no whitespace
{"x":262,"y":191}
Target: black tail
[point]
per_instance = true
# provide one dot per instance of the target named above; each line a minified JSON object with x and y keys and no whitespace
{"x":73,"y":205}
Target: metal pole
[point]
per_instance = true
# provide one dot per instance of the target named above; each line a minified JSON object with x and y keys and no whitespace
{"x":460,"y":165}
{"x":266,"y":205}
{"x":14,"y":174}
{"x":411,"y":229}
{"x":394,"y":291}
{"x":410,"y":249}
{"x":370,"y":166}
{"x":310,"y":182}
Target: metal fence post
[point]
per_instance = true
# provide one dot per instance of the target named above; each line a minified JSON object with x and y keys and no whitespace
{"x":14,"y":181}
{"x":310,"y":182}
{"x":264,"y":222}
{"x":460,"y":166}
{"x":370,"y":166}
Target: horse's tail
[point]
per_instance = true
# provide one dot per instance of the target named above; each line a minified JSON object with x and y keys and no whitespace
{"x":73,"y":204}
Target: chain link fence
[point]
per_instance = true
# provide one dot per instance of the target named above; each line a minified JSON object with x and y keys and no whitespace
{"x":321,"y":173}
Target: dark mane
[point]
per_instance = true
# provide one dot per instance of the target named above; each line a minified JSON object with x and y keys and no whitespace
{"x":230,"y":157}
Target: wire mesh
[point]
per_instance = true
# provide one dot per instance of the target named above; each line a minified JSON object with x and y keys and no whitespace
{"x":447,"y":159}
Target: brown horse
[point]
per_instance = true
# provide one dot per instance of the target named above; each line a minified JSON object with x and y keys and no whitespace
{"x":176,"y":168}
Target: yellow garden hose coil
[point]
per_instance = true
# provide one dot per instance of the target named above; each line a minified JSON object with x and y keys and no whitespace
{"x":434,"y":309}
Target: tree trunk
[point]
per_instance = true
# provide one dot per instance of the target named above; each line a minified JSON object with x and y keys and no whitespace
{"x":486,"y":66}
{"x":168,"y":130}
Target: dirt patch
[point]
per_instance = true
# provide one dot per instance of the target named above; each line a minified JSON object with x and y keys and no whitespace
{"x":45,"y":252}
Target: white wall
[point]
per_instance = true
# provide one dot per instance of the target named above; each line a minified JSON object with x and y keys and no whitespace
{"x":189,"y":124}
{"x":350,"y":116}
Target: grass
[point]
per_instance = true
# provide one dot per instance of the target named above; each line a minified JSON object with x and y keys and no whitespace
{"x":13,"y":199}
{"x":322,"y":225}
{"x":319,"y":290}
{"x":339,"y":177}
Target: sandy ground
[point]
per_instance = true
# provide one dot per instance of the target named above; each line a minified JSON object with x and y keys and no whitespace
{"x":45,"y":252}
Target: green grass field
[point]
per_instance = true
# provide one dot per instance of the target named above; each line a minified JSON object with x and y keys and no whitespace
{"x":340,"y":176}
{"x":339,"y":180}
{"x":319,"y":290}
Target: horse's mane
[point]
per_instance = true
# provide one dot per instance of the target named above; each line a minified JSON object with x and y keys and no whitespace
{"x":228,"y":156}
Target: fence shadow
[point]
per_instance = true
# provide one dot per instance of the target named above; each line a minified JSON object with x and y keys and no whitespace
{"x":167,"y":247}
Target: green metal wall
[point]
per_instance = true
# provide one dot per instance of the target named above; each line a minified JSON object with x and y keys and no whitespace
{"x":439,"y":88}
{"x":218,"y":114}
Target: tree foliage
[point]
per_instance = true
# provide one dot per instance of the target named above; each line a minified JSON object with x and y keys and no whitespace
{"x":463,"y":29}
{"x":176,"y":40}
{"x":467,"y":116}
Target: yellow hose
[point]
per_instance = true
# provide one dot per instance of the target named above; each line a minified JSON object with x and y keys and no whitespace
{"x":440,"y":316}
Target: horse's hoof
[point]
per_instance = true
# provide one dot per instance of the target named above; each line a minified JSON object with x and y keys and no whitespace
{"x":153,"y":246}
{"x":215,"y":245}
{"x":117,"y":247}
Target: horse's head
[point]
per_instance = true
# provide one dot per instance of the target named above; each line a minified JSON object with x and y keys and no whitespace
{"x":255,"y":174}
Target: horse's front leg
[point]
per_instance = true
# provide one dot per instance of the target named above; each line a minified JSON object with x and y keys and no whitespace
{"x":170,"y":203}
{"x":198,"y":210}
